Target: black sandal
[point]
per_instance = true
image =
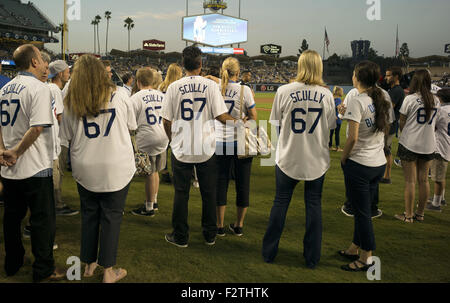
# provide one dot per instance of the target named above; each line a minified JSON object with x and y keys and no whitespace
{"x":342,"y":253}
{"x":365,"y":268}
{"x":418,"y":218}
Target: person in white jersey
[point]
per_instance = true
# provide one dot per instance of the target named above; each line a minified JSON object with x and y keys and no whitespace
{"x":190,"y":106}
{"x":174,"y":73}
{"x":151,"y":137}
{"x":59,"y":75}
{"x":363,"y":161}
{"x":442,"y":155}
{"x":97,"y":121}
{"x":226,"y":150}
{"x":26,"y":156}
{"x":347,"y":208}
{"x":417,"y":142}
{"x":128,"y":81}
{"x":305,"y":112}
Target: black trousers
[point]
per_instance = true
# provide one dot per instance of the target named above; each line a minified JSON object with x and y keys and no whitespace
{"x":242,"y":169}
{"x":361,"y":184}
{"x":207,"y":178}
{"x":101,"y":216}
{"x":37,"y":195}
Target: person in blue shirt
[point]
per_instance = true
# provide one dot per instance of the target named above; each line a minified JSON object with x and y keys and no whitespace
{"x":3,"y":79}
{"x":338,"y":93}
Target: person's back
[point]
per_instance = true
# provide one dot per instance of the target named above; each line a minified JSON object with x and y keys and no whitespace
{"x":193,"y":102}
{"x":190,"y":106}
{"x":418,"y":132}
{"x":94,"y":137}
{"x":23,"y":106}
{"x":306,"y":114}
{"x":150,"y":136}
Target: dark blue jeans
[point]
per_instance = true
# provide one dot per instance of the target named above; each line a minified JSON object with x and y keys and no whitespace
{"x":361,"y":183}
{"x":336,"y":132}
{"x":313,"y":234}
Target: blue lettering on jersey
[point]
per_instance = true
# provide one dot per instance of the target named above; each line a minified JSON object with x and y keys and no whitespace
{"x":193,"y":88}
{"x":306,"y":95}
{"x":230,"y":93}
{"x":371,"y":108}
{"x":14,"y":88}
{"x":369,"y":123}
{"x":152,"y":98}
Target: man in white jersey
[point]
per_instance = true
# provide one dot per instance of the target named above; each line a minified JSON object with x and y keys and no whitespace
{"x":59,"y":75}
{"x":26,"y":157}
{"x":442,"y":156}
{"x":151,"y":137}
{"x":128,"y":80}
{"x":190,"y":106}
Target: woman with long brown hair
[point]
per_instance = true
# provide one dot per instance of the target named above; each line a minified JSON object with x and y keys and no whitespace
{"x":96,"y":122}
{"x":417,"y":142}
{"x":363,"y":160}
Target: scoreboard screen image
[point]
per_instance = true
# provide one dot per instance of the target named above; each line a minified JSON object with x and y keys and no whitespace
{"x":214,"y":29}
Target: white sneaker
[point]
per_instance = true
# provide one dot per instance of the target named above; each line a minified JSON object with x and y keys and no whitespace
{"x":195,"y":184}
{"x":55,"y":246}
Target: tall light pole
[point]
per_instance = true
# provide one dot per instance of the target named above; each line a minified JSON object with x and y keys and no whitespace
{"x":239,"y":45}
{"x":64,"y":42}
{"x":187,"y":14}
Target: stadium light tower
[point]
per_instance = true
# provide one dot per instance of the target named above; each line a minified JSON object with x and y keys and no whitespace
{"x":65,"y":31}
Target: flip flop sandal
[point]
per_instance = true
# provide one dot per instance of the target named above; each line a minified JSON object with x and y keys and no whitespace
{"x":419,"y":218}
{"x":365,"y":268}
{"x":348,"y":256}
{"x":404,"y":218}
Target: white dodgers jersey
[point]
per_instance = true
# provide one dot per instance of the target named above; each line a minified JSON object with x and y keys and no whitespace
{"x":306,"y":113}
{"x":443,"y":131}
{"x":151,"y":137}
{"x":418,"y":132}
{"x":26,"y":102}
{"x":192,"y":104}
{"x":232,"y":99}
{"x":101,"y":151}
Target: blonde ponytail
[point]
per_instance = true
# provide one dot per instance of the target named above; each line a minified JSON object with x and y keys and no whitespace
{"x":225,"y":80}
{"x":230,"y":68}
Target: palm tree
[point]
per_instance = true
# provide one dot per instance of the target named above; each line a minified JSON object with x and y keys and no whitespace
{"x":107,"y":17}
{"x":98,"y":18}
{"x":129,"y":24}
{"x":61,"y":28}
{"x":94,"y":23}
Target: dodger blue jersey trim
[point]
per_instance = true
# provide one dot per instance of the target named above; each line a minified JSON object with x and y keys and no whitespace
{"x":44,"y":173}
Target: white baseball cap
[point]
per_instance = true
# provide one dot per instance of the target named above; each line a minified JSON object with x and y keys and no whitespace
{"x":57,"y":67}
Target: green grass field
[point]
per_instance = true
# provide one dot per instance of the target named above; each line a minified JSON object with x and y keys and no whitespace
{"x":408,"y":252}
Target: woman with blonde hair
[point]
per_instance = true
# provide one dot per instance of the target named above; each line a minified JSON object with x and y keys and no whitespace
{"x":226,"y":147}
{"x":174,"y":73}
{"x":304,"y":111}
{"x":96,"y":122}
{"x":338,"y":93}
